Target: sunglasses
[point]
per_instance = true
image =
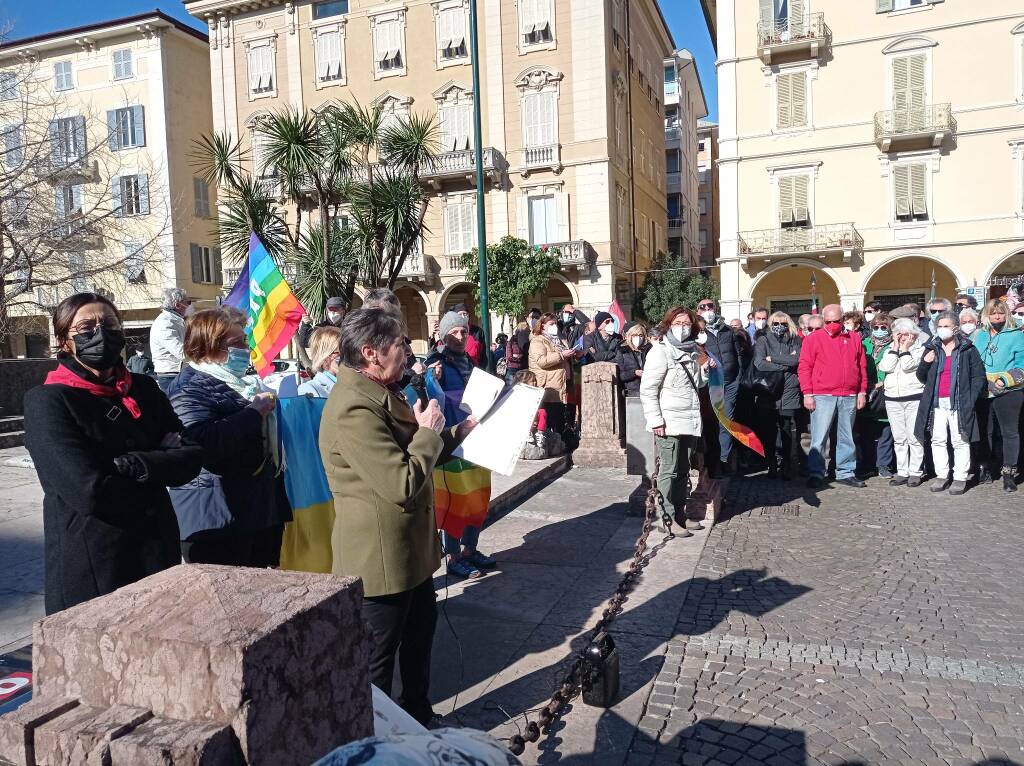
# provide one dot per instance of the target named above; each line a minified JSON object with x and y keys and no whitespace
{"x":704,"y":306}
{"x":779,"y":324}
{"x":880,"y":327}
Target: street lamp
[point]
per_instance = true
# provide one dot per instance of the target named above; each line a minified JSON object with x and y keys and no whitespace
{"x":481,"y":218}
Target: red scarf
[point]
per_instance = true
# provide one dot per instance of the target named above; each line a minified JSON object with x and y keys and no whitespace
{"x":120,"y":390}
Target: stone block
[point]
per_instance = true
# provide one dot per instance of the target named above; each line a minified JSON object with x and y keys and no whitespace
{"x":17,"y":729}
{"x":83,"y":735}
{"x":165,"y":742}
{"x":602,"y":419}
{"x":259,"y":650}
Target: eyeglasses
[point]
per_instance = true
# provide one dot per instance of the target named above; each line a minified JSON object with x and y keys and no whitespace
{"x":88,"y":326}
{"x":705,"y":306}
{"x":779,"y":324}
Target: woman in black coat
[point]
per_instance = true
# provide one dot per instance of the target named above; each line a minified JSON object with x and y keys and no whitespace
{"x":105,"y":443}
{"x":776,"y":356}
{"x":630,"y":358}
{"x":234,"y":512}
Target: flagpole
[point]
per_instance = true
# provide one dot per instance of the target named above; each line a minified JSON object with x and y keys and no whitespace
{"x":481,"y":218}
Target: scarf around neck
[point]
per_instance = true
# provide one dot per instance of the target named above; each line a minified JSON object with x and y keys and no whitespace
{"x":64,"y":375}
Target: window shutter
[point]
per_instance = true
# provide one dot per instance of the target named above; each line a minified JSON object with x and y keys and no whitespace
{"x":464,"y":131}
{"x":451,"y":223}
{"x":197,"y":198}
{"x":787,"y":186}
{"x":14,"y":153}
{"x":546,"y":119}
{"x":76,"y":199}
{"x":542,"y":11}
{"x":916,"y":86}
{"x":268,"y":67}
{"x":918,"y":190}
{"x":522,"y":218}
{"x":797,"y":17}
{"x":113,"y":142}
{"x":801,"y":210}
{"x":799,"y":104}
{"x":530,"y":119}
{"x":457,"y":19}
{"x":884,"y":6}
{"x":196,"y":254}
{"x":529,"y":16}
{"x":767,"y":12}
{"x":115,"y":196}
{"x":254,"y":76}
{"x":381,"y":42}
{"x":58,"y":205}
{"x":138,"y":126}
{"x":444,"y":30}
{"x":900,"y":85}
{"x":142,"y":180}
{"x":784,"y":99}
{"x":80,"y":147}
{"x":218,"y":273}
{"x":901,"y":189}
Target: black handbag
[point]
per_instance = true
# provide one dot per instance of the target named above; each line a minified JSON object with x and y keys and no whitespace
{"x":762,"y":383}
{"x":876,"y":405}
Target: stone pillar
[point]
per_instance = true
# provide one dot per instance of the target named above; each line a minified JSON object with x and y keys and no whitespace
{"x":603,"y":419}
{"x":199,"y":665}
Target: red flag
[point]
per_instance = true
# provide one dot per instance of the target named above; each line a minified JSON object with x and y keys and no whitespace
{"x":616,"y":311}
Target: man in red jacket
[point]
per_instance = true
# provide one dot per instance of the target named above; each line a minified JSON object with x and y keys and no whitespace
{"x":834,"y":380}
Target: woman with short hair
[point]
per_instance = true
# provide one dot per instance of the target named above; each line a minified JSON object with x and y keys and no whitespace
{"x":777,"y":353}
{"x":380,"y":455}
{"x":550,"y":359}
{"x":898,"y":367}
{"x":105,"y":444}
{"x":630,"y":358}
{"x":1001,"y":346}
{"x":324,"y":352}
{"x":234,"y":512}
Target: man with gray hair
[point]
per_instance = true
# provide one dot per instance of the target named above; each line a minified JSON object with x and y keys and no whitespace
{"x":935,"y":307}
{"x":167,"y":336}
{"x":383,"y":298}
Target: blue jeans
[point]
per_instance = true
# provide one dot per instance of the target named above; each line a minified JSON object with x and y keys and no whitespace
{"x":453,"y":545}
{"x":826,"y":409}
{"x":164,"y":380}
{"x":724,"y":437}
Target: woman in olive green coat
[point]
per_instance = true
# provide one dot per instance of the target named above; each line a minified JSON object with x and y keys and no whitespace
{"x":379,"y":454}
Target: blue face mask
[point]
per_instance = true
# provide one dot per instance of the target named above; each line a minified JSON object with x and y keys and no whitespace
{"x":237,"y":362}
{"x":880,"y":334}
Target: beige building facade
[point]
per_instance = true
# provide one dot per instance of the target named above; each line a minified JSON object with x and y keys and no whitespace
{"x":571,"y":107}
{"x":121,"y":103}
{"x":869,"y":150}
{"x":707,"y":192}
{"x":685,"y":105}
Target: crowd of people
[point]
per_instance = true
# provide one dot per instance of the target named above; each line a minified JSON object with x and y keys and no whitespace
{"x":146,"y":466}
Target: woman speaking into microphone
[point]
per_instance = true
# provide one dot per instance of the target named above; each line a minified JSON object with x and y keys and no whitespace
{"x":379,"y":454}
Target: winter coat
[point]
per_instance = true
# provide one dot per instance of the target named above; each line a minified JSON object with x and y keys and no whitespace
{"x":167,"y":342}
{"x":237,"y":488}
{"x":629,"y":360}
{"x":725,"y":347}
{"x":785,"y":354}
{"x":597,"y":348}
{"x":969,"y":383}
{"x":319,"y":387}
{"x":669,"y":395}
{"x":833,"y":366}
{"x":1001,"y":352}
{"x":900,"y":371}
{"x":102,"y":530}
{"x":380,"y":467}
{"x":570,"y":332}
{"x":552,"y":371}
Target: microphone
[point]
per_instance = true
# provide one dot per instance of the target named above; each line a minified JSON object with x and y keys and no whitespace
{"x":418,"y":383}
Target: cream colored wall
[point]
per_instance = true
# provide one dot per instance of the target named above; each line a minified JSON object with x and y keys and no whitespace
{"x":709,"y":190}
{"x":975,"y":206}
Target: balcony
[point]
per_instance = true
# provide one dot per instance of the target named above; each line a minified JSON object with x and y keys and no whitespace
{"x":914,"y":127}
{"x":61,"y":171}
{"x":270,"y":186}
{"x":675,"y":226}
{"x":461,"y":165}
{"x":577,"y":252}
{"x":792,"y":38}
{"x":414,"y":269}
{"x":819,"y":241}
{"x":542,"y":158}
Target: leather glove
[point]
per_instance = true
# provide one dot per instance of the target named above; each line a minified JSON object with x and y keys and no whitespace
{"x":132,"y":466}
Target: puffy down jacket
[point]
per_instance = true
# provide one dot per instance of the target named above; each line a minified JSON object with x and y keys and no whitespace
{"x":667,"y":393}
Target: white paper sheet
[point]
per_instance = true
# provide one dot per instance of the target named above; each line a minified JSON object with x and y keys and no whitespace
{"x":498,"y":440}
{"x":482,"y":391}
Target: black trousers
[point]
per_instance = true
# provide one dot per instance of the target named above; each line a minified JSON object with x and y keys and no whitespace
{"x":770,"y":424}
{"x":1002,"y":429}
{"x":403,"y":624}
{"x":556,"y":416}
{"x":220,"y":546}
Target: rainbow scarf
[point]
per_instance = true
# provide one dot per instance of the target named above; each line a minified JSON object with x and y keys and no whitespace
{"x":274,"y":311}
{"x":716,"y":390}
{"x":462,"y":490}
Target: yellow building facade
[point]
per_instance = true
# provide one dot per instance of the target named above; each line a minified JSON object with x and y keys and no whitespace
{"x":868,"y":150}
{"x":136,"y":92}
{"x":571,"y":108}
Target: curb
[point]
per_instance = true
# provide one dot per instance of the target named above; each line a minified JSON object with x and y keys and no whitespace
{"x":517,"y":492}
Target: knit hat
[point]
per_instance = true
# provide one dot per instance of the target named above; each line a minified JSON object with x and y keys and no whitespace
{"x":450,"y":321}
{"x":337,"y":303}
{"x":601,"y":318}
{"x":459,"y":307}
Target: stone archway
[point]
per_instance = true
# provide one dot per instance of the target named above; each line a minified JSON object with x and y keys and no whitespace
{"x":909,"y":280}
{"x":414,"y":310}
{"x":788,"y":288}
{"x":1007,"y":272}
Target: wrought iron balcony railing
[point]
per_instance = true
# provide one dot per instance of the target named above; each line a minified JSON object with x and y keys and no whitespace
{"x":815,"y":240}
{"x":793,"y":36}
{"x":917,"y":124}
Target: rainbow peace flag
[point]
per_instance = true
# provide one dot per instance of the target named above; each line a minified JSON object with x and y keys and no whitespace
{"x":716,"y":390}
{"x":274,"y":312}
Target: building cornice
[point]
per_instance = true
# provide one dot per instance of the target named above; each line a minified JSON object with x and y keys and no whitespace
{"x":204,"y":8}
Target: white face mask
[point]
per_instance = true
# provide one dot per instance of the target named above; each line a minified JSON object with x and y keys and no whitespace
{"x":681,"y":333}
{"x":944,"y":333}
{"x":608,"y":328}
{"x":551,"y":330}
{"x":636,"y":341}
{"x":759,"y":324}
{"x":869,"y":315}
{"x":566,"y":316}
{"x":702,"y":338}
{"x":850,"y":326}
{"x":708,"y":316}
{"x":333,"y":317}
{"x":968,"y":328}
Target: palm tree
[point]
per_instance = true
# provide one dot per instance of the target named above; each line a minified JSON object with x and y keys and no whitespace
{"x":344,"y":157}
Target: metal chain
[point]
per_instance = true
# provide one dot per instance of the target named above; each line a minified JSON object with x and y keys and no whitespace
{"x":572,"y":684}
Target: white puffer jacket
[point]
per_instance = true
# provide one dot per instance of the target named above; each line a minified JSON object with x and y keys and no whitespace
{"x":668,"y":396}
{"x":901,"y":383}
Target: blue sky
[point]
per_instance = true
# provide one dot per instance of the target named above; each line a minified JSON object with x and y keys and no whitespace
{"x":25,"y":18}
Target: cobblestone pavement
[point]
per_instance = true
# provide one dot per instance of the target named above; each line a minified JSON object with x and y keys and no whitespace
{"x":875,"y":626}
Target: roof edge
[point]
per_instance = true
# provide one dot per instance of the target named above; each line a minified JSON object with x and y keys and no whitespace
{"x":156,"y":13}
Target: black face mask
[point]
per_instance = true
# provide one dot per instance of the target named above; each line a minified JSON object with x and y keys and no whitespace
{"x":100,"y":349}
